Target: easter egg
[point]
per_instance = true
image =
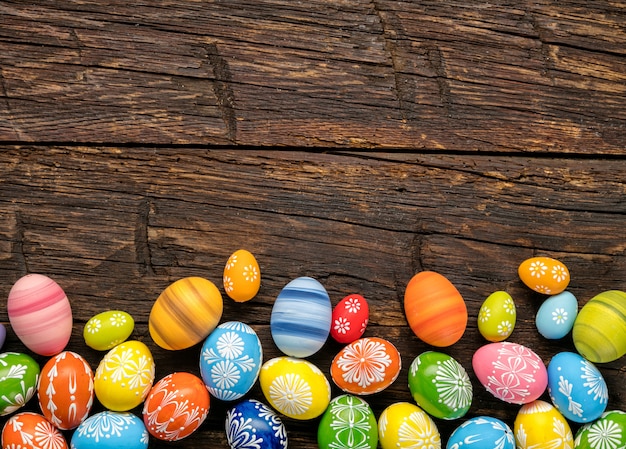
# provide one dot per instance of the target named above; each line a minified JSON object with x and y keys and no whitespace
{"x":111,"y":430}
{"x":482,"y":432}
{"x":301,"y":317}
{"x":510,"y":371}
{"x":19,"y":374}
{"x":435,"y":309}
{"x":348,"y":422}
{"x":124,"y":376}
{"x":3,"y":334}
{"x":366,"y":366}
{"x":176,"y":406}
{"x":40,"y":314}
{"x":230,"y":360}
{"x":496,"y":317}
{"x":349,"y":319}
{"x":27,"y":430}
{"x":540,"y":425}
{"x":65,"y":390}
{"x":295,"y":387}
{"x":440,"y":385}
{"x":185,"y":313}
{"x":599,"y":332}
{"x":252,"y":424}
{"x":242,"y":276}
{"x":576,"y":387}
{"x":406,"y":425}
{"x":556,"y":315}
{"x":544,"y":275}
{"x":607,"y":432}
{"x":108,"y":329}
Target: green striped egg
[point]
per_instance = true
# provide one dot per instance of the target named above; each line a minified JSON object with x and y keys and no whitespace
{"x":599,"y":331}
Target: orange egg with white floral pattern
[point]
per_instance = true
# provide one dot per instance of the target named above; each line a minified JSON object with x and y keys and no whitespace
{"x":27,"y":430}
{"x":544,"y":275}
{"x":366,"y":366}
{"x":176,"y":406}
{"x":242,"y":276}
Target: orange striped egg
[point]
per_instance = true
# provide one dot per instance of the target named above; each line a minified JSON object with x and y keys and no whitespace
{"x":435,"y":309}
{"x":185,"y":313}
{"x":544,"y":275}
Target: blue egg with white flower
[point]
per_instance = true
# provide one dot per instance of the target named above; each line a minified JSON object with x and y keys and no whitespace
{"x":482,"y":432}
{"x":251,"y":423}
{"x":301,"y":317}
{"x":556,"y":315}
{"x":111,"y":430}
{"x":576,"y":387}
{"x":230,"y":360}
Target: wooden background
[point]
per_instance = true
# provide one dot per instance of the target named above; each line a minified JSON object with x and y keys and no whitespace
{"x":356,"y":142}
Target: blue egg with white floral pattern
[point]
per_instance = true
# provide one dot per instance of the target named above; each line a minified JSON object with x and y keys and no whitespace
{"x":576,"y":387}
{"x":252,"y":424}
{"x":111,"y":430}
{"x":482,"y":432}
{"x":230,"y":360}
{"x":556,"y":315}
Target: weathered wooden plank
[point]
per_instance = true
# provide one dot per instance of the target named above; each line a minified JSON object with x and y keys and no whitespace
{"x":533,"y":76}
{"x":115,"y":226}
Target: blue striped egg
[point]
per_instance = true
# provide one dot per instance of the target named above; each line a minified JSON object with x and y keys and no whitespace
{"x":301,"y":317}
{"x":230,"y":360}
{"x":576,"y":387}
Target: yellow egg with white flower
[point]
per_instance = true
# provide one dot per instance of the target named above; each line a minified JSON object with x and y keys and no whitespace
{"x":497,"y":316}
{"x":242,"y":276}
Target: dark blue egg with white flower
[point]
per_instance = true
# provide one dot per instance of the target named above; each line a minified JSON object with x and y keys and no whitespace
{"x":576,"y":387}
{"x":301,"y":317}
{"x":252,"y":424}
{"x":230,"y":360}
{"x":111,"y":430}
{"x":482,"y":432}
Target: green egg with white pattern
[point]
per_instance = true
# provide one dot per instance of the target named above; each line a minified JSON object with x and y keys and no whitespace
{"x":606,"y":432}
{"x":497,"y":316}
{"x":440,"y":385}
{"x":348,"y":422}
{"x":19,"y":374}
{"x":108,"y":329}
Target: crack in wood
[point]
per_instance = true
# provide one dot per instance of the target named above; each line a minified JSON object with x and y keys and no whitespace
{"x":223,"y":90}
{"x":545,"y":48}
{"x":19,"y":242}
{"x":437,"y":62}
{"x":142,"y":239}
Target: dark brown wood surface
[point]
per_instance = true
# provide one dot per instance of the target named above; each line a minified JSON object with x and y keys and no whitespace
{"x":485,"y":76}
{"x":139,"y":145}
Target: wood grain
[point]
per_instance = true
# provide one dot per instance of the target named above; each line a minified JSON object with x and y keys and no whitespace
{"x":533,"y":76}
{"x":114,"y":226}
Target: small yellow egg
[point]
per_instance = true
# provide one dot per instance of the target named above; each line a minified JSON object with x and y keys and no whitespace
{"x":242,"y":276}
{"x":406,"y":425}
{"x":497,"y":316}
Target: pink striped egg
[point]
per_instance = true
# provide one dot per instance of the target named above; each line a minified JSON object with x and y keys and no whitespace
{"x":40,"y":314}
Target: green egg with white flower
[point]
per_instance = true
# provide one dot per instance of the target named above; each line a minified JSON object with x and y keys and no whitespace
{"x":606,"y":432}
{"x":496,"y":317}
{"x":108,"y":329}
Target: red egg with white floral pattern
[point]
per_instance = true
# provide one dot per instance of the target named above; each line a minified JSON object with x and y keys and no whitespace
{"x":27,"y":430}
{"x":176,"y":406}
{"x":366,"y":366}
{"x":349,"y":319}
{"x":65,"y":390}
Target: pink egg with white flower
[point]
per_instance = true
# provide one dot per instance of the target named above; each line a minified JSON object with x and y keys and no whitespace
{"x":349,"y":319}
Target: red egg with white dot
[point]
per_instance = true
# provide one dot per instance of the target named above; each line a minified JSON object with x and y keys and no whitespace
{"x":349,"y":319}
{"x":176,"y":406}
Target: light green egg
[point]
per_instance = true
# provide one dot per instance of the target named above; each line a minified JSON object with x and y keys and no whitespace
{"x":599,"y":332}
{"x":108,"y":329}
{"x":496,"y":317}
{"x":607,"y":432}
